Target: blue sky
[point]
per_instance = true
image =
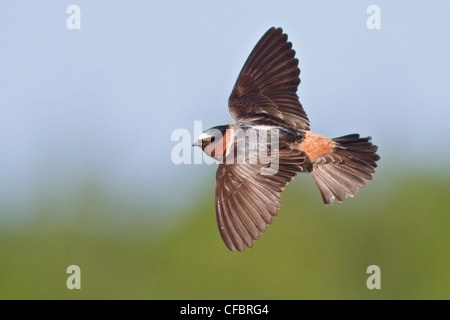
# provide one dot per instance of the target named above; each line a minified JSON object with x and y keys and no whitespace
{"x":103,"y":101}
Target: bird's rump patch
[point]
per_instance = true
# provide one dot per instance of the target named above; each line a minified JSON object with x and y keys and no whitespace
{"x":316,"y":146}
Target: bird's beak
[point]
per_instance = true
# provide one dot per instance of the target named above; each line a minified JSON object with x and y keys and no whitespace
{"x":197,"y":144}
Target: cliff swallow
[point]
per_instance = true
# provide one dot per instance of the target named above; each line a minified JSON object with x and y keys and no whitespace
{"x":265,"y":99}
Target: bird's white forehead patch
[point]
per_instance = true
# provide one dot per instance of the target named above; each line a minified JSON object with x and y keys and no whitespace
{"x":204,"y":136}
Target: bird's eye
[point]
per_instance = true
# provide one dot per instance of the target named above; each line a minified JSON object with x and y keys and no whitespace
{"x":213,"y":139}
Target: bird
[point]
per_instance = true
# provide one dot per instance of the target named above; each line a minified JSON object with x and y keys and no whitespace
{"x":264,"y":99}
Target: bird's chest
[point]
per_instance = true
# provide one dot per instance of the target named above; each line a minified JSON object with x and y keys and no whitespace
{"x":249,"y":144}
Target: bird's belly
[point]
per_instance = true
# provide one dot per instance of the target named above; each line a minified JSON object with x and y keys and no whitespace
{"x":248,"y":144}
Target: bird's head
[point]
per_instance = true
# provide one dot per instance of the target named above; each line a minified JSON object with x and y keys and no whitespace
{"x":212,"y":141}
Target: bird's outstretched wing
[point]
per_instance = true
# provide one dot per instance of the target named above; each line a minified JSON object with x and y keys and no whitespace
{"x":247,"y":200}
{"x":266,"y":87}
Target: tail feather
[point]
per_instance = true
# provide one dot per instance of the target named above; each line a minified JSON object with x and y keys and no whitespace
{"x":352,"y":163}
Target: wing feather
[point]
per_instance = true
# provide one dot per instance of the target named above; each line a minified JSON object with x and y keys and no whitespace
{"x":266,"y":88}
{"x":247,"y":200}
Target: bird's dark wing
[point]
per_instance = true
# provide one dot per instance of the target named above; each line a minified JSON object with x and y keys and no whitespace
{"x":266,"y":87}
{"x":247,"y":199}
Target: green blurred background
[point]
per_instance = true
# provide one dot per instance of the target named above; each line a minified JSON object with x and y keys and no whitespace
{"x":87,"y":179}
{"x":309,"y":252}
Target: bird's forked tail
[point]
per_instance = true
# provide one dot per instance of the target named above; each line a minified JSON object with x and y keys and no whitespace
{"x":341,"y":173}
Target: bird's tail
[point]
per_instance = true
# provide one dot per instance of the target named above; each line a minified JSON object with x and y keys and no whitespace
{"x":347,"y":169}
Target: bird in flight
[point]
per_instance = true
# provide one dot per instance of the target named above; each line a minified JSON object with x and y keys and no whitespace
{"x":264,"y":99}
